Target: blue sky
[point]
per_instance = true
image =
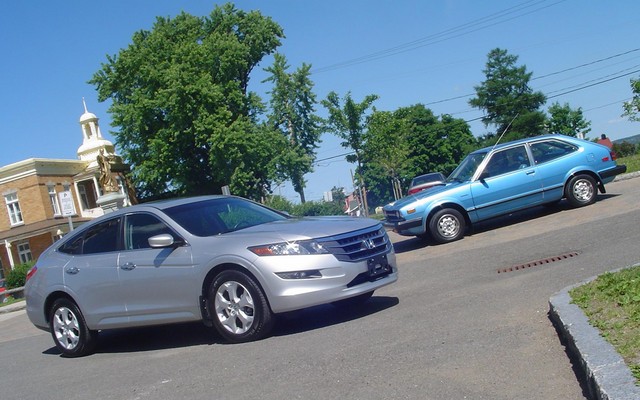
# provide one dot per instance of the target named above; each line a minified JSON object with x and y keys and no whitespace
{"x":581,"y":52}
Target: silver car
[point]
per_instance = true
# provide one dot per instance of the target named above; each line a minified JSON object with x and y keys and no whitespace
{"x":227,"y":261}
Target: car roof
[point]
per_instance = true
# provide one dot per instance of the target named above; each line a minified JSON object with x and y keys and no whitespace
{"x":526,"y":140}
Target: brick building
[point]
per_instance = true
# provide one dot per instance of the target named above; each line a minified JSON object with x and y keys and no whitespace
{"x":32,"y":191}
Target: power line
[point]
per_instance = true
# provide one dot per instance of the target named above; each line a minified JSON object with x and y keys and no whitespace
{"x":448,"y":34}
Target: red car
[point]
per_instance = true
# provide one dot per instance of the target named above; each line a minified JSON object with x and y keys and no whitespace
{"x":3,"y":288}
{"x":422,"y":182}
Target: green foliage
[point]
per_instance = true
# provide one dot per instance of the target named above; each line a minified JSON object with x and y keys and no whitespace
{"x":632,"y":107}
{"x":506,"y":98}
{"x":632,"y":162}
{"x":349,"y":121}
{"x":293,"y":115}
{"x":612,"y":304}
{"x":18,"y":275}
{"x":408,"y":142}
{"x":279,"y":203}
{"x":309,"y":208}
{"x":563,"y":119}
{"x":316,"y":208}
{"x":185,"y":121}
{"x":625,"y":149}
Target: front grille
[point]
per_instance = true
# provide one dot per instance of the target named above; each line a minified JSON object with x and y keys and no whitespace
{"x":359,"y":245}
{"x":393,"y":216}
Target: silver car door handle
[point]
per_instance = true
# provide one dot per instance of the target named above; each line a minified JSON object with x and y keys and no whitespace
{"x":128,"y":266}
{"x":72,"y":270}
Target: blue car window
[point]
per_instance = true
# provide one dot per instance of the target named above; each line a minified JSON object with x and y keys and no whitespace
{"x":550,"y":150}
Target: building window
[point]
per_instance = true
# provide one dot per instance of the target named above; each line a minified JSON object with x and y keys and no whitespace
{"x":87,"y":195}
{"x":55,"y":204}
{"x":13,"y":208}
{"x":24,"y":252}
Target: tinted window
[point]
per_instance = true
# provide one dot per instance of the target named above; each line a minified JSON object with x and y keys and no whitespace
{"x":74,"y":246}
{"x":550,"y":150}
{"x":140,"y":227}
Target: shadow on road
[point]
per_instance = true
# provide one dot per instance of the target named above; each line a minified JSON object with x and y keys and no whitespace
{"x":173,"y":336}
{"x":407,"y":244}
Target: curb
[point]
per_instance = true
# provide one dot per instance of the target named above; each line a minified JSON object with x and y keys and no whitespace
{"x":17,"y":306}
{"x":605,"y":373}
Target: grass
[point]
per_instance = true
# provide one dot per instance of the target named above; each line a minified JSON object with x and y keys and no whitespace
{"x":612,"y":304}
{"x":10,"y":300}
{"x":632,"y":162}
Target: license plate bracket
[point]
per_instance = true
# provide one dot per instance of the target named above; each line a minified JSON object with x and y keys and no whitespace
{"x":378,"y":265}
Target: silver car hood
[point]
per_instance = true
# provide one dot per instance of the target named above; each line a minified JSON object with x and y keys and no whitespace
{"x":301,"y":229}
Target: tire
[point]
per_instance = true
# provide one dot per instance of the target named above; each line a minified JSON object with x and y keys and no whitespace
{"x":581,"y":191}
{"x":354,"y":301}
{"x":69,"y":330}
{"x":446,"y":225}
{"x":240,"y":310}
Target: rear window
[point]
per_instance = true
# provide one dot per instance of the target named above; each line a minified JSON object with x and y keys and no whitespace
{"x":550,"y":150}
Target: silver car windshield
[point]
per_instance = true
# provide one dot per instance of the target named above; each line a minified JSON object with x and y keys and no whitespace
{"x":467,"y":167}
{"x":217,"y":216}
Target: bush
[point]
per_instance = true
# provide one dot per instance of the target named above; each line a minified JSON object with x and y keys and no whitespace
{"x":18,"y":275}
{"x":624,"y":149}
{"x":315,"y":208}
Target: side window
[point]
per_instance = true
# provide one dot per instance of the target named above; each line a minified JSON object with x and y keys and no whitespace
{"x":101,"y":238}
{"x":507,"y":160}
{"x":72,"y":247}
{"x":550,"y":150}
{"x":140,"y":227}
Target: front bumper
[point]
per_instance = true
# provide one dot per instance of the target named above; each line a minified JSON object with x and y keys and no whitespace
{"x":340,"y":280}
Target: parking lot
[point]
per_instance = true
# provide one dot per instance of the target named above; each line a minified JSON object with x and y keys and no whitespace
{"x":461,"y":322}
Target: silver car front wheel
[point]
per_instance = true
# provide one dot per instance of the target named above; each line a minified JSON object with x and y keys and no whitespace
{"x":241,"y":312}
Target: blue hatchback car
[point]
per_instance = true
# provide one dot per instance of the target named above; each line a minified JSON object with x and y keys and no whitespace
{"x":507,"y":177}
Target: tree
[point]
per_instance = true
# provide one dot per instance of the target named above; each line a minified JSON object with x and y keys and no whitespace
{"x":565,"y":120}
{"x":507,"y":100}
{"x":408,"y":142}
{"x":349,"y":122}
{"x":186,"y":123}
{"x":632,"y":107}
{"x":293,"y":114}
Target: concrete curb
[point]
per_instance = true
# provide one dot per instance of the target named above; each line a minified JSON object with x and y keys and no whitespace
{"x":603,"y":370}
{"x":17,"y":306}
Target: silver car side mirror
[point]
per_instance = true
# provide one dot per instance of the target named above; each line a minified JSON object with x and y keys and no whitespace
{"x":159,"y":241}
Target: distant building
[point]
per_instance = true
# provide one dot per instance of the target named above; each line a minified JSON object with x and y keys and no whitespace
{"x":30,"y":190}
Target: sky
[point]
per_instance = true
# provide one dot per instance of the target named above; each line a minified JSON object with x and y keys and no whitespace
{"x":580,"y":52}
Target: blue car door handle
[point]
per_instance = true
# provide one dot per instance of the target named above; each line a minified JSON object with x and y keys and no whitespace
{"x":531,"y":172}
{"x":128,"y":266}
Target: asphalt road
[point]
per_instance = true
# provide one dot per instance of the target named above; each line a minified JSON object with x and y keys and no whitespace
{"x":467,"y":320}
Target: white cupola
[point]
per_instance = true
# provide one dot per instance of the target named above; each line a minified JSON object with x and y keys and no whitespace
{"x":92,"y":140}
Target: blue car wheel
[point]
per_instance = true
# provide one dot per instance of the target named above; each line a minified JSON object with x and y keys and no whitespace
{"x":447,"y":225}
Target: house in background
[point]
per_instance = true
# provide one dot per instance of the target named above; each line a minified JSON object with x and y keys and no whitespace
{"x":33,"y":218}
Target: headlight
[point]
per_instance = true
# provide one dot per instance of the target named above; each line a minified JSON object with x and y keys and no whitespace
{"x":305,"y":247}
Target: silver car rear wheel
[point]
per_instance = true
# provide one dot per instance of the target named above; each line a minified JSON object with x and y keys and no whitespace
{"x":69,"y":330}
{"x":241,"y":312}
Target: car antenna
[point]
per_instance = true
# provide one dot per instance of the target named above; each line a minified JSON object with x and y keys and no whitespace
{"x":505,"y":131}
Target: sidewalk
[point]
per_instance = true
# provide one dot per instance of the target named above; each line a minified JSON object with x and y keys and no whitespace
{"x":17,"y":306}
